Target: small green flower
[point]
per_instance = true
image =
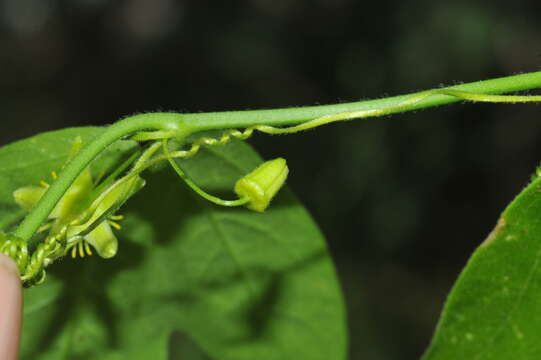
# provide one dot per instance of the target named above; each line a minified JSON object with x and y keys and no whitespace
{"x":82,"y":217}
{"x":98,"y":218}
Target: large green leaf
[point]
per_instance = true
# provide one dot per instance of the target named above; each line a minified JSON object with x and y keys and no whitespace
{"x":494,"y":310}
{"x":190,"y":278}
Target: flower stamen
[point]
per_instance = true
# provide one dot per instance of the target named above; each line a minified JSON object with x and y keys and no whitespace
{"x":45,"y":227}
{"x":81,"y":249}
{"x":114,"y":224}
{"x":87,"y":248}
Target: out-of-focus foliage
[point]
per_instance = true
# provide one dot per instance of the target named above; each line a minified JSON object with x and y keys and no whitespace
{"x":403,"y":180}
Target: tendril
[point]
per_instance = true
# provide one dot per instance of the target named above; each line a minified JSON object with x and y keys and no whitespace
{"x":31,"y":268}
{"x":216,"y":200}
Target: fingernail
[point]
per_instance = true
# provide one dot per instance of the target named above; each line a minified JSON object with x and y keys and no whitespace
{"x":10,"y":308}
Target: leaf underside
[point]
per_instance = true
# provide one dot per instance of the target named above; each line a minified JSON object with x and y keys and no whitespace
{"x":191,"y":280}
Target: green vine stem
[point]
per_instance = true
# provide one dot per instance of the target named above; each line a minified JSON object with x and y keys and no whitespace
{"x":290,"y":116}
{"x":167,"y":125}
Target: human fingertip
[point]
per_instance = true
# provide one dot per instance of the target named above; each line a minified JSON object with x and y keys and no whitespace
{"x":8,"y":265}
{"x":10,"y":308}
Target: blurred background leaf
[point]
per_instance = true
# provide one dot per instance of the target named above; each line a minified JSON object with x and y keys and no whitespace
{"x":402,"y":180}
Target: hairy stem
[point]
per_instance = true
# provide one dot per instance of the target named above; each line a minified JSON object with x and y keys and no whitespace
{"x":181,"y":125}
{"x":291,"y":116}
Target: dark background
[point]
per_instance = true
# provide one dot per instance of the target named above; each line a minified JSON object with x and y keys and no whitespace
{"x":403,"y":200}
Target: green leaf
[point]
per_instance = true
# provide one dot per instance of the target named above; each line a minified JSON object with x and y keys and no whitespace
{"x":236,"y":284}
{"x":494,"y":309}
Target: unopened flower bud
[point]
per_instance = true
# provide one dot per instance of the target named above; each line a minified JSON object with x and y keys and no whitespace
{"x":262,"y":184}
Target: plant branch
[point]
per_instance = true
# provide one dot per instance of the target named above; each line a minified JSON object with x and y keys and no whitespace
{"x":180,"y":125}
{"x":297,"y":115}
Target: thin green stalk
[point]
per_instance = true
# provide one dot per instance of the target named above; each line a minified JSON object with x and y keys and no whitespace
{"x":197,"y":189}
{"x":166,"y":125}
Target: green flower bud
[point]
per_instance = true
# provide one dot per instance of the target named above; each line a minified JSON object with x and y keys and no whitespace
{"x":262,"y":184}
